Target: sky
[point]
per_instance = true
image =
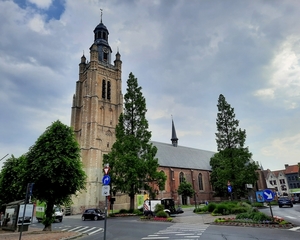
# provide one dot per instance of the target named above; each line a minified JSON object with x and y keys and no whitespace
{"x":184,"y":55}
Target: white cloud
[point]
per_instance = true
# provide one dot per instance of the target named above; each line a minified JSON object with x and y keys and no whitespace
{"x":37,"y":24}
{"x":43,"y":4}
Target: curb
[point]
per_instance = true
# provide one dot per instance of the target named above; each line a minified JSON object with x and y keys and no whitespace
{"x":260,"y":225}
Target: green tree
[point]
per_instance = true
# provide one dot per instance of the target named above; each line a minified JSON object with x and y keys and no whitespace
{"x":186,"y":189}
{"x":12,"y":186}
{"x":132,"y":157}
{"x":53,"y":164}
{"x":233,"y":161}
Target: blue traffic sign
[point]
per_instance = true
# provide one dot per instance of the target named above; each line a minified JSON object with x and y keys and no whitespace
{"x":268,"y":195}
{"x":229,"y":189}
{"x":106,"y":180}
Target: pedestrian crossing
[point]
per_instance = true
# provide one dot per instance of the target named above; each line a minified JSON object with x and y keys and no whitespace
{"x":179,"y":231}
{"x":83,"y":229}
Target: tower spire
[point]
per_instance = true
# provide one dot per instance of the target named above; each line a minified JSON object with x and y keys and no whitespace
{"x":101,"y":15}
{"x":174,"y":138}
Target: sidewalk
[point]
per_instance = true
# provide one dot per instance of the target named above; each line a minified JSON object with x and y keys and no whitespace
{"x":38,"y":234}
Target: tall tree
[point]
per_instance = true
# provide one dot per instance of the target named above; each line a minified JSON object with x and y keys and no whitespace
{"x":53,"y":164}
{"x":12,"y":186}
{"x":132,"y":157}
{"x":232,"y":164}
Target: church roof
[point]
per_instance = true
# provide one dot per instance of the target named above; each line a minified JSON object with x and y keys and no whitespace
{"x":182,"y":157}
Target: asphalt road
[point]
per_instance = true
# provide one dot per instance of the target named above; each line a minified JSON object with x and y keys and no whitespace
{"x":131,"y":228}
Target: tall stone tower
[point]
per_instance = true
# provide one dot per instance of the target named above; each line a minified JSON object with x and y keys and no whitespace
{"x":97,"y":105}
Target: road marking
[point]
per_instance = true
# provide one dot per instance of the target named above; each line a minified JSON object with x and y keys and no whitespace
{"x":90,"y":229}
{"x":291,"y":217}
{"x":100,"y":229}
{"x":295,"y":229}
{"x":155,"y":238}
{"x":74,"y":229}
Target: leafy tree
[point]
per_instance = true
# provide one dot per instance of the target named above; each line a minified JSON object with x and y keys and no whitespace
{"x":12,"y":187}
{"x":233,"y":161}
{"x":53,"y":164}
{"x":186,"y":189}
{"x":132,"y":157}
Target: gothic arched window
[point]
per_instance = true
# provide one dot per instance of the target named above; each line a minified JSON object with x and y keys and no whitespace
{"x":200,"y":181}
{"x":164,"y":188}
{"x":181,"y":177}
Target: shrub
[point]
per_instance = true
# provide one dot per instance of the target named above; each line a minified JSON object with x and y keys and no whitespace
{"x":161,"y":214}
{"x":257,"y":204}
{"x":211,"y":207}
{"x":137,"y":212}
{"x":237,"y":210}
{"x":201,"y":209}
{"x":259,"y":217}
{"x":158,"y":208}
{"x":123,"y":210}
{"x":221,"y":209}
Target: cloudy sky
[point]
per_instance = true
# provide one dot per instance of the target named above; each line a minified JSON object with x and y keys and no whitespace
{"x":184,"y":54}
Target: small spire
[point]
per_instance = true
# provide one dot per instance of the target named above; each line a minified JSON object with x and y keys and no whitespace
{"x":174,"y":138}
{"x":101,"y":15}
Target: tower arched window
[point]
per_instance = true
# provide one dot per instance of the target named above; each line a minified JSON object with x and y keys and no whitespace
{"x":108,"y":90}
{"x":103,"y":88}
{"x":200,"y":181}
{"x":181,"y":177}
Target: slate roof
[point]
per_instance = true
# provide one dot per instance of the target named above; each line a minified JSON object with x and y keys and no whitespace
{"x":182,"y":157}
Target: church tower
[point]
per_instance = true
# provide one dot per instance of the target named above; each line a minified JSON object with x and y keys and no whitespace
{"x":97,"y":105}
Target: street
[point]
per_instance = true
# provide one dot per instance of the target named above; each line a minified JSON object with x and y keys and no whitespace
{"x":187,"y":226}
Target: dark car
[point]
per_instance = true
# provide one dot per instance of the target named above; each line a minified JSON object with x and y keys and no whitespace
{"x":92,"y":214}
{"x":285,"y":201}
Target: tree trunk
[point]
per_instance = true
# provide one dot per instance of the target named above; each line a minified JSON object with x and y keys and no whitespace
{"x":49,"y":216}
{"x":131,"y":201}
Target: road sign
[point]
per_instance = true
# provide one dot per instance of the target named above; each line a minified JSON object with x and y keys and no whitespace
{"x":106,"y":180}
{"x":229,"y":189}
{"x":268,"y":195}
{"x":105,"y":190}
{"x":106,"y":170}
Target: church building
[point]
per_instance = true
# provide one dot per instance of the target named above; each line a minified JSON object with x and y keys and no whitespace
{"x":97,"y":105}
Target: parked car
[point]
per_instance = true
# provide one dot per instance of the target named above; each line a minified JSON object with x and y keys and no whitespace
{"x":92,"y":214}
{"x":285,"y":201}
{"x":295,"y":199}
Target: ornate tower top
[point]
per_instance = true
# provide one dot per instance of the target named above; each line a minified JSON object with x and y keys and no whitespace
{"x":101,"y":40}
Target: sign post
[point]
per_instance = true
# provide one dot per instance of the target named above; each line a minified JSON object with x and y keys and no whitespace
{"x":269,"y":196}
{"x":105,"y":192}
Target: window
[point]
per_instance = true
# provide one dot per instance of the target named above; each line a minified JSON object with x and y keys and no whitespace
{"x":164,"y":187}
{"x":274,"y":182}
{"x":181,"y":177}
{"x":108,"y":90}
{"x":200,"y":181}
{"x":103,"y":88}
{"x":281,"y":181}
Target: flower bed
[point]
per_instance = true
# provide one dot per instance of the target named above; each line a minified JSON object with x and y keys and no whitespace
{"x":277,"y":223}
{"x":158,"y":219}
